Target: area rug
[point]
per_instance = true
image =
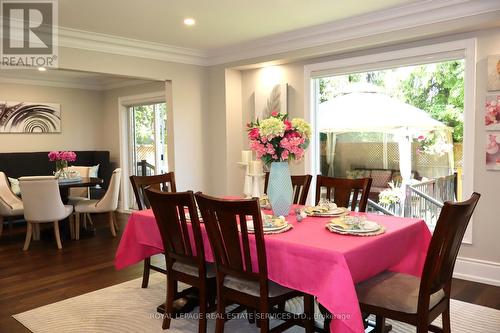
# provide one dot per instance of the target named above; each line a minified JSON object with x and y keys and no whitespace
{"x":127,"y":307}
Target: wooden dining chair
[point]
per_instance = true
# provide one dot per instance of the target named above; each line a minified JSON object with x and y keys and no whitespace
{"x":185,"y":259}
{"x":418,"y":301}
{"x":241,"y":273}
{"x":345,"y":192}
{"x":300,"y":184}
{"x":164,"y":182}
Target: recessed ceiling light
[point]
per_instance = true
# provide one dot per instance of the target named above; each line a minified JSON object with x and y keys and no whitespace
{"x":42,"y":69}
{"x":189,"y":21}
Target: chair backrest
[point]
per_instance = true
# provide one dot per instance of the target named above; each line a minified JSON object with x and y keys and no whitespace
{"x":300,"y":184}
{"x":444,"y":246}
{"x":7,"y":197}
{"x":84,"y":173}
{"x":170,"y":214}
{"x":110,"y":199}
{"x":229,"y":238}
{"x":42,"y":199}
{"x":344,"y":191}
{"x":164,"y":182}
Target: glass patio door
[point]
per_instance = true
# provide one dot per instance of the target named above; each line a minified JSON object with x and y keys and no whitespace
{"x":148,"y":146}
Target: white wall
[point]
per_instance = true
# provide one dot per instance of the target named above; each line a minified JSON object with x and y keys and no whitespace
{"x":81,"y":114}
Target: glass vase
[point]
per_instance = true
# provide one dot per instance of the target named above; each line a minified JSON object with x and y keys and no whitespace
{"x":61,"y":169}
{"x":279,"y":189}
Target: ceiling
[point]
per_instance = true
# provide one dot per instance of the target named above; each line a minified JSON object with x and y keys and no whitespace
{"x":219,"y":23}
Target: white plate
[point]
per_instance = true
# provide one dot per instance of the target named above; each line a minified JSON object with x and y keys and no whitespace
{"x":369,"y":227}
{"x":251,"y":228}
{"x":335,"y":212}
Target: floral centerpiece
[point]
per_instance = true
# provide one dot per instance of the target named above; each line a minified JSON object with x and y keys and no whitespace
{"x":277,"y":140}
{"x":62,"y":158}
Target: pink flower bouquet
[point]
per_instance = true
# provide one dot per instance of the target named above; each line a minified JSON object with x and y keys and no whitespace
{"x":277,"y":139}
{"x":68,"y":156}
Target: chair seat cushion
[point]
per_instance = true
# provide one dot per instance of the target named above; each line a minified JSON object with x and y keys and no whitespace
{"x":193,"y":269}
{"x":394,"y":291}
{"x":253,"y":287}
{"x":74,"y":200}
{"x":88,"y":206}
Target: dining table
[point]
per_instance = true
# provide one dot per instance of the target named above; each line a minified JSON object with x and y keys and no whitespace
{"x":310,"y":258}
{"x":66,"y":184}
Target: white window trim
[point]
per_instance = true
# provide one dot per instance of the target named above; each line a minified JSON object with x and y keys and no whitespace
{"x":465,"y":49}
{"x":123,"y":118}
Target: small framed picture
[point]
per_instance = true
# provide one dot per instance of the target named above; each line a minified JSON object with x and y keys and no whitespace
{"x":493,"y":151}
{"x":492,"y":112}
{"x":494,"y":72}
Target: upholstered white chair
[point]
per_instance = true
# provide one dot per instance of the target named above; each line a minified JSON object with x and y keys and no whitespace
{"x":42,"y":204}
{"x":10,"y":204}
{"x":79,"y":193}
{"x":108,"y":204}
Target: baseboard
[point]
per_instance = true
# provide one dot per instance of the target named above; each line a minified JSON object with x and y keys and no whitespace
{"x":476,"y":270}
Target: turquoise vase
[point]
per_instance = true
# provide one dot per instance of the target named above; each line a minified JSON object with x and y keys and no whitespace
{"x":279,"y":189}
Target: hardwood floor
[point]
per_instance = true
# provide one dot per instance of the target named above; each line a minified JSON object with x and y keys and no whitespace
{"x":44,"y":275}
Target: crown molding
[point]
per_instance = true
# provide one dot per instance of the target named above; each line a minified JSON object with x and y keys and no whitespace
{"x":72,"y":83}
{"x":413,"y":15}
{"x":86,"y":40}
{"x":52,"y":83}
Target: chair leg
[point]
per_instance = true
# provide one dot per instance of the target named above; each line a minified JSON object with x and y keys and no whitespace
{"x":169,"y":305}
{"x":115,"y":222}
{"x":56,"y":233}
{"x":445,"y":316}
{"x":264,"y":317}
{"x":202,"y":323}
{"x":91,"y":222}
{"x":72,"y":226}
{"x":77,"y":226}
{"x":36,"y":231}
{"x":112,"y":224}
{"x":29,"y":234}
{"x":309,"y":313}
{"x":84,"y":222}
{"x":221,"y":314}
{"x":145,"y":274}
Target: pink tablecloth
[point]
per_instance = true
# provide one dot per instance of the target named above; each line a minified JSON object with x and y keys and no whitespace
{"x":311,"y":259}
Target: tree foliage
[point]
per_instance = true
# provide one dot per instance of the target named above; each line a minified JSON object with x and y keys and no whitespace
{"x":439,"y":90}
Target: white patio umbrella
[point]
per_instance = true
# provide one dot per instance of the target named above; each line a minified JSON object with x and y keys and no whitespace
{"x":375,"y":112}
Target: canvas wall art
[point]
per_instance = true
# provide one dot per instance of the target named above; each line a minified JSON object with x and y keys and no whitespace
{"x":492,"y":112}
{"x":28,"y":117}
{"x":494,"y":72}
{"x":493,"y":151}
{"x":270,"y":99}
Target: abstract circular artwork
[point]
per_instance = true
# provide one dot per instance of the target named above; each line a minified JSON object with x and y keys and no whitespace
{"x":27,"y":117}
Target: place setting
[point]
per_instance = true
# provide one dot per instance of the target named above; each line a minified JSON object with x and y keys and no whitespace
{"x":356,"y":225}
{"x":271,"y":224}
{"x":325,"y":208}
